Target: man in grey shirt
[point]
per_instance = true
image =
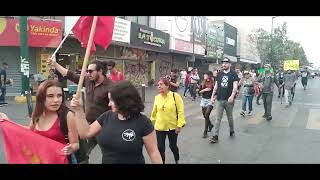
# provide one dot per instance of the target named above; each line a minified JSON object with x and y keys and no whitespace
{"x":289,"y":81}
{"x":267,"y":81}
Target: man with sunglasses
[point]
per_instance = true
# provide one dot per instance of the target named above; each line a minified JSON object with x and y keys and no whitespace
{"x":97,"y":88}
{"x":224,"y":91}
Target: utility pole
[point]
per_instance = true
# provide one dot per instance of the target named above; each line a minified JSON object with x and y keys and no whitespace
{"x":271,"y":46}
{"x":24,"y":57}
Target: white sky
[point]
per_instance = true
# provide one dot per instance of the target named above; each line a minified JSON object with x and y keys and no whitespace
{"x":302,"y":29}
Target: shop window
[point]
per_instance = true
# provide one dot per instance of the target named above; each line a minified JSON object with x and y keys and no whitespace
{"x":132,"y":19}
{"x":143,"y":20}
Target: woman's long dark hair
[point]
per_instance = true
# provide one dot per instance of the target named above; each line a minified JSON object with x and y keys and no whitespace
{"x":41,"y":98}
{"x":208,"y":82}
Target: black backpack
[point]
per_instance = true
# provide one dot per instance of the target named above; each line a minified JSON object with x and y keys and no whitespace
{"x":81,"y":154}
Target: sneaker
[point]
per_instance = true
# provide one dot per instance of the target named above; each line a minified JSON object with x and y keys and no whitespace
{"x":210,"y":127}
{"x":264,"y":116}
{"x":269,"y":118}
{"x":249,"y":113}
{"x":3,"y":103}
{"x":205,"y":135}
{"x":213,"y":139}
{"x":231,"y":133}
{"x":242,"y":113}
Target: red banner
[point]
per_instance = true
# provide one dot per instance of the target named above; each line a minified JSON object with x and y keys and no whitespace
{"x":22,"y":146}
{"x":40,"y":33}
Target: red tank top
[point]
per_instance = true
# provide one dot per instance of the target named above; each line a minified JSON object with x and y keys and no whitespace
{"x":54,"y":132}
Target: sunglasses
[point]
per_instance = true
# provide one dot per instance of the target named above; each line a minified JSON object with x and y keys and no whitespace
{"x":90,"y":71}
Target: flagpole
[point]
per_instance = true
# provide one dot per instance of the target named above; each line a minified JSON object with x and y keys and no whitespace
{"x":86,"y":57}
{"x":55,"y":52}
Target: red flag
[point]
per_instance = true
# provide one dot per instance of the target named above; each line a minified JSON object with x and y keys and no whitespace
{"x":22,"y":146}
{"x":102,"y":35}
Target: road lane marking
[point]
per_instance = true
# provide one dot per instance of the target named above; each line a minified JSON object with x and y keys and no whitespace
{"x":288,"y":116}
{"x":313,"y":119}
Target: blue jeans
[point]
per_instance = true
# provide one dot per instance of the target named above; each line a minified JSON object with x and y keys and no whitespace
{"x":72,"y":159}
{"x":244,"y":102}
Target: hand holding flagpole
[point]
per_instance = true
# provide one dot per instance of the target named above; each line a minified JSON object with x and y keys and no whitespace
{"x":86,"y":57}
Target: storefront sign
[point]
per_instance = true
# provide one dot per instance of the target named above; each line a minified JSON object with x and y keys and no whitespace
{"x":143,"y":36}
{"x":40,"y":33}
{"x":183,"y":46}
{"x":121,"y":31}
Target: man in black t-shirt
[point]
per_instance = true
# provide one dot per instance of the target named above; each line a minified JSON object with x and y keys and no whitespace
{"x":3,"y":81}
{"x":224,"y":91}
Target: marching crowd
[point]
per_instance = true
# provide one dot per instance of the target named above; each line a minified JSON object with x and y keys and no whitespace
{"x":112,"y":116}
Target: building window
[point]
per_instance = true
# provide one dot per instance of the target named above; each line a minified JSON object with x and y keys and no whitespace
{"x":143,"y":20}
{"x":132,"y":19}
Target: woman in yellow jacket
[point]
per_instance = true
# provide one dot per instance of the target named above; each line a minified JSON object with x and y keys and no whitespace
{"x":168,"y":118}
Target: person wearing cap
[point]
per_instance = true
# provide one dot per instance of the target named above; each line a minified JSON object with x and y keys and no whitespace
{"x":247,"y":92}
{"x":266,"y":81}
{"x":206,"y":89}
{"x":224,"y":91}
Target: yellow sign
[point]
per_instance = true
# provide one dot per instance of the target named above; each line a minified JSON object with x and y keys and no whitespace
{"x":291,"y":65}
{"x":44,"y":70}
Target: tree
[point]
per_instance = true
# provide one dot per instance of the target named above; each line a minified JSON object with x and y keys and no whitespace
{"x":278,"y":47}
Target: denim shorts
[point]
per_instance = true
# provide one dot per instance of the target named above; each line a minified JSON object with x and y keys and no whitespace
{"x":73,"y":159}
{"x":205,"y":102}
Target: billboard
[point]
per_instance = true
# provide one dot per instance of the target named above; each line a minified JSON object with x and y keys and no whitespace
{"x":230,"y":40}
{"x":40,"y":33}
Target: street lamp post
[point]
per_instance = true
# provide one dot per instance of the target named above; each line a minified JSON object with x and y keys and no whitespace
{"x":271,"y":46}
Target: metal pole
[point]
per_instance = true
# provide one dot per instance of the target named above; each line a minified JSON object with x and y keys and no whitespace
{"x":271,"y":46}
{"x":143,"y":92}
{"x":193,"y":43}
{"x":24,"y":64}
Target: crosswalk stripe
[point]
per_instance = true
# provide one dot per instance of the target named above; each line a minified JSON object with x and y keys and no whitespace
{"x":285,"y":121}
{"x":314,"y":119}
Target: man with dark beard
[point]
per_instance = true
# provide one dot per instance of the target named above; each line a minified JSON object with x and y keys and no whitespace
{"x":97,"y":88}
{"x":267,"y":79}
